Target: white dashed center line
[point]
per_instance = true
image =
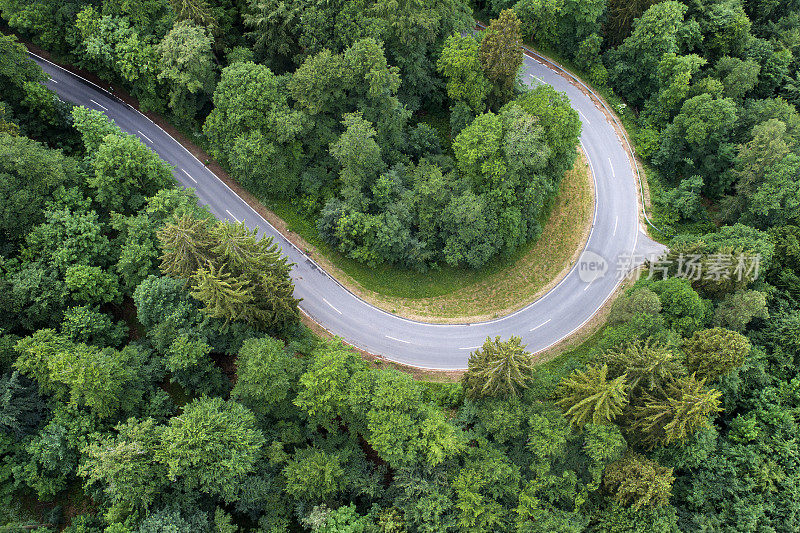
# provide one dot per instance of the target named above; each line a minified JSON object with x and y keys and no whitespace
{"x":189,"y":175}
{"x":331,"y":306}
{"x":542,"y":324}
{"x":101,"y":106}
{"x":613,"y":174}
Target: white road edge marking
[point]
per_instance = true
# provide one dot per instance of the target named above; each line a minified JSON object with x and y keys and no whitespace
{"x":584,"y":117}
{"x":398,"y":340}
{"x":613,"y":174}
{"x":233,"y":217}
{"x":331,"y":306}
{"x":542,"y":324}
{"x":54,"y":81}
{"x":98,"y":105}
{"x":537,"y":77}
{"x":148,"y":139}
{"x":190,"y":177}
{"x":290,"y":243}
{"x":473,"y":348}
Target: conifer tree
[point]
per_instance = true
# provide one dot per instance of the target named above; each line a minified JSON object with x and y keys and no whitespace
{"x":498,"y":369}
{"x":686,"y":407}
{"x":589,"y":396}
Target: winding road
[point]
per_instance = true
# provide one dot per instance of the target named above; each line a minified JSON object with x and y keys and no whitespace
{"x":616,"y":239}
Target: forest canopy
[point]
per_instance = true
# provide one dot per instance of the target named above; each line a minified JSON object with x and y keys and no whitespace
{"x":154,"y":373}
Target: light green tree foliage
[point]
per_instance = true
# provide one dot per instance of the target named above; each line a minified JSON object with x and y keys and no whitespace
{"x":345,"y":519}
{"x":739,"y":77}
{"x":712,"y":353}
{"x":94,"y":126}
{"x":104,"y":380}
{"x":498,"y":369}
{"x":725,"y":28}
{"x":766,"y":184}
{"x":323,"y":387}
{"x":501,"y":56}
{"x":639,"y":482}
{"x":187,"y":64}
{"x":266,"y":376}
{"x":253,"y":129}
{"x":68,"y":238}
{"x":115,"y":48}
{"x":460,"y":64}
{"x":313,"y":475}
{"x":197,"y":11}
{"x":211,"y":432}
{"x":603,"y":444}
{"x":589,"y":396}
{"x":359,"y":156}
{"x":361,"y":79}
{"x":551,"y":498}
{"x":123,"y":464}
{"x":682,"y":307}
{"x":675,"y":75}
{"x":561,"y":123}
{"x":686,"y":407}
{"x":126,"y":172}
{"x":92,"y":285}
{"x":484,"y":490}
{"x":89,"y":325}
{"x":396,"y":421}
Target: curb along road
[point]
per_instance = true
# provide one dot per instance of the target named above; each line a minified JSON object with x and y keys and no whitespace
{"x":615,"y":235}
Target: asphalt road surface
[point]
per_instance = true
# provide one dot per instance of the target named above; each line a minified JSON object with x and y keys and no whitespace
{"x":616,"y":241}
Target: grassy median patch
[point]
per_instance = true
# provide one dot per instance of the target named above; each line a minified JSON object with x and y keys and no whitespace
{"x":460,"y":294}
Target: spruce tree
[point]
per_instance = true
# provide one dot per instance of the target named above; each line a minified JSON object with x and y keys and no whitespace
{"x":589,"y":396}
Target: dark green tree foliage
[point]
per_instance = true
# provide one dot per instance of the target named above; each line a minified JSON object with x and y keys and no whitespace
{"x":36,"y":109}
{"x":501,"y":56}
{"x":29,"y":176}
{"x":21,"y":407}
{"x":634,"y":64}
{"x":235,"y":274}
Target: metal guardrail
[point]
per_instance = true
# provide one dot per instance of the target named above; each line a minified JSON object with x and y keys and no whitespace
{"x":600,"y":99}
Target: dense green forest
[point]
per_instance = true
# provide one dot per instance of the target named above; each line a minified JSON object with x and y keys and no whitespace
{"x":154,"y":376}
